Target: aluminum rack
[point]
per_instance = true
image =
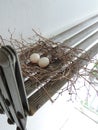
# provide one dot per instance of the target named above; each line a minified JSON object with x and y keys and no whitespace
{"x":12,"y":93}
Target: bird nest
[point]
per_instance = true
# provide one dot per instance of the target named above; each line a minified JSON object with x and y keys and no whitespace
{"x":65,"y":64}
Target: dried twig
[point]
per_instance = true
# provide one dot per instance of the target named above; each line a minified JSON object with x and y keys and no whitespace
{"x":62,"y":63}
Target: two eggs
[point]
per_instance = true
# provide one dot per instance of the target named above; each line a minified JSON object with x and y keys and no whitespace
{"x":42,"y":62}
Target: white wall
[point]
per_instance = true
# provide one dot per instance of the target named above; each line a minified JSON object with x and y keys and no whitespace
{"x":45,"y":16}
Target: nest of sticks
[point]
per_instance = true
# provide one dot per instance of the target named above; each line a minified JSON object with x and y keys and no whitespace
{"x":60,"y":57}
{"x":65,"y":64}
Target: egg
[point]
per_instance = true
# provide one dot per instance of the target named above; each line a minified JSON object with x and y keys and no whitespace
{"x":43,"y":62}
{"x":34,"y":58}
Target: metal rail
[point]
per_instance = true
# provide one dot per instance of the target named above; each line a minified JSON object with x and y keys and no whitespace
{"x":84,"y":36}
{"x":12,"y":91}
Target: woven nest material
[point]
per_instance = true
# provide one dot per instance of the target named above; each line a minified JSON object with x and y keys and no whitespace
{"x":61,"y":59}
{"x":65,"y":64}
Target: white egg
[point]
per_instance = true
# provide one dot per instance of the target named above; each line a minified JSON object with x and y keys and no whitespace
{"x":43,"y":62}
{"x":34,"y":58}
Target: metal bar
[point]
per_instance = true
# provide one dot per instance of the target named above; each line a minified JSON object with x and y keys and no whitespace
{"x":74,"y":30}
{"x":5,"y":107}
{"x":1,"y":109}
{"x":19,"y":80}
{"x":80,"y":37}
{"x":7,"y":66}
